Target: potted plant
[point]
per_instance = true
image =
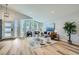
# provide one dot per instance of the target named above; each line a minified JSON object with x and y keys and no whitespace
{"x":70,"y":28}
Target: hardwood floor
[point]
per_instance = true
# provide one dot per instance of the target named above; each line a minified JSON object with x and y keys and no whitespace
{"x":21,"y":47}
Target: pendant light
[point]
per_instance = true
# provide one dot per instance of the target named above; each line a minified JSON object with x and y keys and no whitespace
{"x":6,"y":14}
{"x":1,"y":10}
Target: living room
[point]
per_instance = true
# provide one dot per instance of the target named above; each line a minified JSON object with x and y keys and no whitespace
{"x":33,"y":29}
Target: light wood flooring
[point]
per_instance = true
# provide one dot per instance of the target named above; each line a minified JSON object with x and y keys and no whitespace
{"x":21,"y":47}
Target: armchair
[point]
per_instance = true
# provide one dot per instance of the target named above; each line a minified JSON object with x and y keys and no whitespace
{"x":54,"y":36}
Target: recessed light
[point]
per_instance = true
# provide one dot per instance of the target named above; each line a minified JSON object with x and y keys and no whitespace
{"x":52,"y":12}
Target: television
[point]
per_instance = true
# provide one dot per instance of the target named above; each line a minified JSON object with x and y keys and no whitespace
{"x":50,"y":29}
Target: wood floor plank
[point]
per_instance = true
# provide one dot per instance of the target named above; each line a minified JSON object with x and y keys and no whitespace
{"x":6,"y":48}
{"x":64,"y":50}
{"x":70,"y":48}
{"x":53,"y":50}
{"x":22,"y":47}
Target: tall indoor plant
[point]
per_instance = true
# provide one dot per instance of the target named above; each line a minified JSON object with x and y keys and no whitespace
{"x":70,"y":28}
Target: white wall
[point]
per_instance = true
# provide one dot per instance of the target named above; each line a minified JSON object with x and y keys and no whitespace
{"x":60,"y":24}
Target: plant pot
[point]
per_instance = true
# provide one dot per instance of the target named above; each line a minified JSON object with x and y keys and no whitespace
{"x":70,"y":42}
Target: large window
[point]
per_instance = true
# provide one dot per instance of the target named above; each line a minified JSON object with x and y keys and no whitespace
{"x":18,"y":28}
{"x":7,"y":28}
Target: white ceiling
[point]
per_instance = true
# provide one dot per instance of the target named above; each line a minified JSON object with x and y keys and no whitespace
{"x":45,"y":12}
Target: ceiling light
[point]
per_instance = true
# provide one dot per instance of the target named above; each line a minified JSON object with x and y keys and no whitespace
{"x":52,"y":12}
